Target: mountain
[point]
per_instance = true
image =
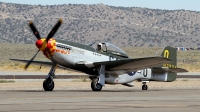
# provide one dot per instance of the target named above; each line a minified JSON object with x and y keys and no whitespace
{"x":123,"y":26}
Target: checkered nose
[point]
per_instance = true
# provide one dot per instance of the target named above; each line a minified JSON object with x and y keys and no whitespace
{"x":51,"y":45}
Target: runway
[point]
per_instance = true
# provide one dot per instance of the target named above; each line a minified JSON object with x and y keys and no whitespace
{"x":28,"y":95}
{"x":118,"y":100}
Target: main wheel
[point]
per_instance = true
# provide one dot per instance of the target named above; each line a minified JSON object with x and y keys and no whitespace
{"x":95,"y":85}
{"x":48,"y":85}
{"x":144,"y":87}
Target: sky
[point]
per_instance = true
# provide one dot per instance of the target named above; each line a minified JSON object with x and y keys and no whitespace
{"x":153,"y":4}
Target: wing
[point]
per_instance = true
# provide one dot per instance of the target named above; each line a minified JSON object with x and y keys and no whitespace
{"x":43,"y":63}
{"x":131,"y":64}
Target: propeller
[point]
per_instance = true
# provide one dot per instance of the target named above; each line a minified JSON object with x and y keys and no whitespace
{"x":29,"y":62}
{"x":54,"y":30}
{"x":34,"y":30}
{"x":39,"y":42}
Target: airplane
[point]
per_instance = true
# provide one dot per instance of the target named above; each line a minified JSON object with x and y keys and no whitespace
{"x":106,"y":65}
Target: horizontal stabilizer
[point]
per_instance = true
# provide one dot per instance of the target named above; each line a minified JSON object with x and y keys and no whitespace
{"x":166,"y":69}
{"x":177,"y":70}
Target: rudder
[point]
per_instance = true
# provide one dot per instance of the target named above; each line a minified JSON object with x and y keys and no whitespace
{"x":170,"y":53}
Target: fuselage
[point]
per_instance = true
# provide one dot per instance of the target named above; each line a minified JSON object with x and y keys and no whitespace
{"x":73,"y":55}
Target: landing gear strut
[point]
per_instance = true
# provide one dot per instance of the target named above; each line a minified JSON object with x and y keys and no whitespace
{"x":48,"y":83}
{"x":144,"y":86}
{"x":99,"y":81}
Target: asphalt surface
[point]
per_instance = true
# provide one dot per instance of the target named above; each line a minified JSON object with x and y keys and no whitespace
{"x":155,"y":100}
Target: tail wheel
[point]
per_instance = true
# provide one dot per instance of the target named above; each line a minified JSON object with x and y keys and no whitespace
{"x":48,"y":85}
{"x":95,"y":85}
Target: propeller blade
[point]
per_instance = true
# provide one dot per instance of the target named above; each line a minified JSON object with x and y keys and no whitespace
{"x":31,"y":60}
{"x":54,"y":30}
{"x":34,"y":30}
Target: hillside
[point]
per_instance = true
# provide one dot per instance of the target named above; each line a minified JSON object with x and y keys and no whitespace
{"x":123,"y":26}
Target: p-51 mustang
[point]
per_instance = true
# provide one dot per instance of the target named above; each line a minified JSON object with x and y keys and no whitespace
{"x":106,"y":65}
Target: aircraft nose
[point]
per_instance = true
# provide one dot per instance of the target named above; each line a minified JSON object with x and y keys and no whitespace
{"x":41,"y":44}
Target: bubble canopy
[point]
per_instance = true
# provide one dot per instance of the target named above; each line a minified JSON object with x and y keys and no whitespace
{"x":108,"y":47}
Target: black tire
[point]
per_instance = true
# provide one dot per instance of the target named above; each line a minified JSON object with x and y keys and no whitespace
{"x":48,"y":85}
{"x":95,"y":85}
{"x":144,"y":87}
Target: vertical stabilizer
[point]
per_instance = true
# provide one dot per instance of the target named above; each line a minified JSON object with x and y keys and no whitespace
{"x":170,"y":53}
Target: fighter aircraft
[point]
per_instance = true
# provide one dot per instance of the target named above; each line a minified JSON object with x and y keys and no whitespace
{"x":108,"y":64}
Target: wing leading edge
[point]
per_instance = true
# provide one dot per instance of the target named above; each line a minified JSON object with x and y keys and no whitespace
{"x":43,"y":63}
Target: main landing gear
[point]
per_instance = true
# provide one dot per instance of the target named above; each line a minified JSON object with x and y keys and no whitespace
{"x":99,"y":81}
{"x":48,"y":83}
{"x":95,"y":85}
{"x":144,"y":86}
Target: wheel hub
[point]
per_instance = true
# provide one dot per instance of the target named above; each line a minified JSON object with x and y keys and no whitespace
{"x":49,"y":84}
{"x":98,"y":86}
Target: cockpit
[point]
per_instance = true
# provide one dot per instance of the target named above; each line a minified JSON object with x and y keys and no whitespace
{"x":111,"y":49}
